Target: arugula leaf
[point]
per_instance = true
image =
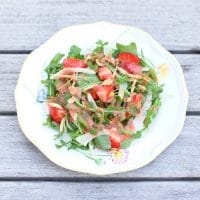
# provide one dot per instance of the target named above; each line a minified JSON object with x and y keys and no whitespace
{"x":79,"y":148}
{"x":87,"y":80}
{"x":92,"y":66}
{"x":122,"y":78}
{"x":102,"y":142}
{"x":53,"y":67}
{"x":100,"y":47}
{"x":131,"y":48}
{"x":75,"y":52}
{"x":56,"y":59}
{"x":152,"y":74}
{"x":93,"y":131}
{"x":115,"y":53}
{"x":61,"y":144}
{"x":126,"y":143}
{"x":73,"y":144}
{"x":144,"y":61}
{"x":75,"y":133}
{"x":150,"y":68}
{"x":156,"y":102}
{"x":155,"y":89}
{"x":50,"y":123}
{"x":82,"y":121}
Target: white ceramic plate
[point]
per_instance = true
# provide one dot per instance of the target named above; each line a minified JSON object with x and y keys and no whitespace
{"x":163,"y":130}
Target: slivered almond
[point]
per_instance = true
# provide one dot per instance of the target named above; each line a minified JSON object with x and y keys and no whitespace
{"x":71,"y":100}
{"x":55,"y":105}
{"x":100,"y":63}
{"x":133,"y":86}
{"x":141,"y":87}
{"x":107,"y":82}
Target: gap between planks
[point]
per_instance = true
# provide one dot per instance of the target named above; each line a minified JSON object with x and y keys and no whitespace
{"x":194,"y":51}
{"x":98,"y":179}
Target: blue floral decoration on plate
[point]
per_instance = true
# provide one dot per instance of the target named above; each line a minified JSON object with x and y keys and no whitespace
{"x":41,"y":95}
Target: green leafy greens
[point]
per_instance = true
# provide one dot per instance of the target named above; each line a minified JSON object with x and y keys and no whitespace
{"x":89,"y":111}
{"x":131,"y":48}
{"x":103,"y":142}
{"x":75,"y":52}
{"x":53,"y":67}
{"x":100,"y":47}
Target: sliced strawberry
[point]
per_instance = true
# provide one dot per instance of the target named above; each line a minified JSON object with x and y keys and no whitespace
{"x":132,"y":68}
{"x":128,"y":58}
{"x":74,"y":62}
{"x":137,"y":100}
{"x":128,"y":114}
{"x":130,"y":63}
{"x":115,"y":138}
{"x":104,"y":73}
{"x":94,"y":94}
{"x":56,"y":112}
{"x":104,"y":92}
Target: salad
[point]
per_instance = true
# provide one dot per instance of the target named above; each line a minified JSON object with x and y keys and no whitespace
{"x":101,"y":100}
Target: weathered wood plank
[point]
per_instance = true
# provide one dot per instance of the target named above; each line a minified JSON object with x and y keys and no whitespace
{"x":10,"y":67}
{"x":26,"y":24}
{"x":19,"y":158}
{"x":100,"y":190}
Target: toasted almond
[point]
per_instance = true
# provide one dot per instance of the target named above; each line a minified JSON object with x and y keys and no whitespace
{"x":100,"y":63}
{"x":62,"y":125}
{"x":107,"y":82}
{"x":133,"y":85}
{"x":71,"y":100}
{"x":141,"y":87}
{"x":55,"y":105}
{"x":127,"y":99}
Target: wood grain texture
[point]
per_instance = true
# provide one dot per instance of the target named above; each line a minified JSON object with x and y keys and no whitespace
{"x":10,"y":66}
{"x":19,"y":158}
{"x":27,"y":24}
{"x":99,"y":191}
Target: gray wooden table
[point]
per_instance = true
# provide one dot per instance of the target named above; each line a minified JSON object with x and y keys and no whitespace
{"x":25,"y":173}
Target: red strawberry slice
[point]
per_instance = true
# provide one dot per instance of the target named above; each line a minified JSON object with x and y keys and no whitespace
{"x":104,"y":73}
{"x":74,"y":63}
{"x":128,"y":58}
{"x":132,"y":68}
{"x":130,"y":63}
{"x":104,"y":92}
{"x":56,"y":112}
{"x":115,"y":138}
{"x":137,"y":100}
